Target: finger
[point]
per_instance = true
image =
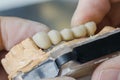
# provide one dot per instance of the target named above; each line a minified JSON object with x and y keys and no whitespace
{"x":114,"y":14}
{"x":14,"y":30}
{"x":115,"y":1}
{"x":109,"y":70}
{"x":90,"y":10}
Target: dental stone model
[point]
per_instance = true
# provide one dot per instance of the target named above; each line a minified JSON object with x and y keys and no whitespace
{"x":23,"y":57}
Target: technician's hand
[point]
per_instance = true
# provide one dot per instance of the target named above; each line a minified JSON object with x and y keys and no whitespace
{"x":103,"y":12}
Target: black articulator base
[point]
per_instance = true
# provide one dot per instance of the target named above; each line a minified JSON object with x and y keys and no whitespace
{"x":93,"y":48}
{"x":98,"y":48}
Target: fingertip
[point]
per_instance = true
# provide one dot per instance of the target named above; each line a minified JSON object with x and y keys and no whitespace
{"x":79,"y":19}
{"x":90,"y":10}
{"x":76,"y":20}
{"x":108,"y":70}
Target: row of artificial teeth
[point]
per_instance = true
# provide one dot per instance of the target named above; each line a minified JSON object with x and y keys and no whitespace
{"x":45,"y":40}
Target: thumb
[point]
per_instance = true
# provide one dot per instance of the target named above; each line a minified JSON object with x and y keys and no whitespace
{"x":14,"y":30}
{"x":109,"y":70}
{"x":90,"y":10}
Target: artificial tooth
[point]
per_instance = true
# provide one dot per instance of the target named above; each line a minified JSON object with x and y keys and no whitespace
{"x":79,"y":31}
{"x":91,"y":28}
{"x":67,"y":34}
{"x":54,"y":36}
{"x":42,"y":40}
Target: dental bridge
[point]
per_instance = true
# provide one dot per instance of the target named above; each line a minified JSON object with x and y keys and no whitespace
{"x":36,"y":59}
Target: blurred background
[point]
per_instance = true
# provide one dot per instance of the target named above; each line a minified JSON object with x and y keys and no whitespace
{"x":56,"y":14}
